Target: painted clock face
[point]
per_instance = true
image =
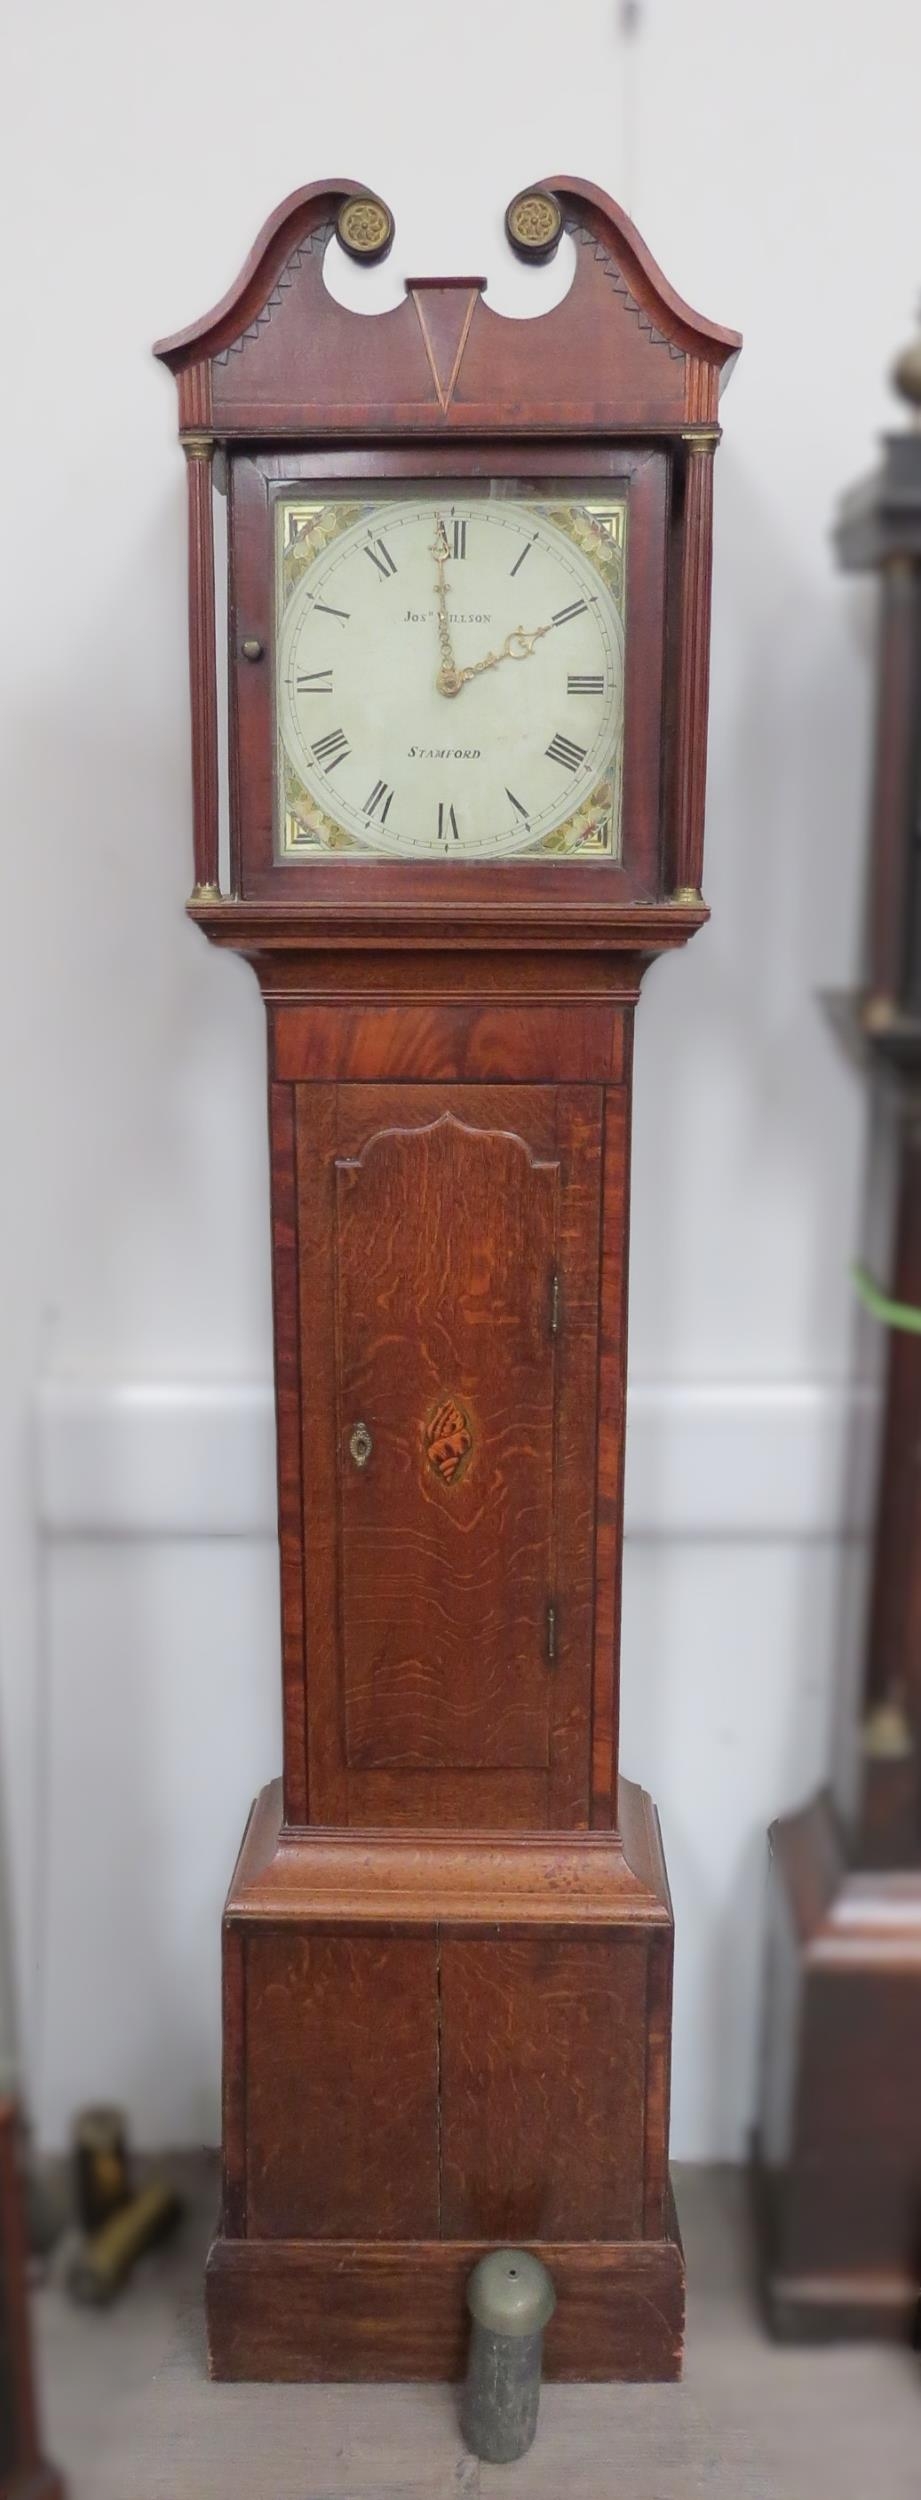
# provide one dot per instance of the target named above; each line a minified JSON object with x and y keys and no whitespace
{"x":449,"y":677}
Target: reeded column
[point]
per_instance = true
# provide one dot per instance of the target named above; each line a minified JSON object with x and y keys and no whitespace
{"x":690,"y":782}
{"x":199,"y":452}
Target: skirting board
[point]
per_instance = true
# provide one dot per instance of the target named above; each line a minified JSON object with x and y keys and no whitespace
{"x":197,"y":1459}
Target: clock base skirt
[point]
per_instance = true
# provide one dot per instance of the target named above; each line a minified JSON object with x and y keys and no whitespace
{"x":396,"y":2309}
{"x":837,"y":2171}
{"x":435,"y":2044}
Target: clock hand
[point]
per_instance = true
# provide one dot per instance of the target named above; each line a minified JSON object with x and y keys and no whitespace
{"x":517,"y":646}
{"x":448,"y":680}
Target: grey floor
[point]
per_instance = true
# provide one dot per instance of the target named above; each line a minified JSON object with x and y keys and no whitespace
{"x":131,"y":2416}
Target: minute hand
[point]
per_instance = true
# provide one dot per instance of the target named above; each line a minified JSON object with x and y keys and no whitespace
{"x":517,"y":646}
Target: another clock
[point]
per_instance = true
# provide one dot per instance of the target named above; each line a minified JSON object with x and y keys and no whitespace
{"x":468,"y":599}
{"x":24,"y":2475}
{"x":839,"y":2167}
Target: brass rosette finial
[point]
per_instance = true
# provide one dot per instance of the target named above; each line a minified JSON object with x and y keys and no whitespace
{"x":365,"y":228}
{"x":534,"y":224}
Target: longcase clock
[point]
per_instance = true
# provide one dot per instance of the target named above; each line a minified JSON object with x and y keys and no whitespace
{"x":838,"y":2174}
{"x":468,"y":599}
{"x":24,"y":2475}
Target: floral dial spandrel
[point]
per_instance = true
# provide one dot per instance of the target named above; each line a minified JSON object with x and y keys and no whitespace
{"x":449,"y":677}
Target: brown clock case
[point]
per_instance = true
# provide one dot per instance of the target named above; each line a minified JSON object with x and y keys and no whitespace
{"x":447,"y":1946}
{"x":24,"y":2474}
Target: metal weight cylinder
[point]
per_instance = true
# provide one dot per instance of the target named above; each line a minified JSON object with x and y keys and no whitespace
{"x":102,"y":2170}
{"x":101,"y":2264}
{"x":510,"y":2298}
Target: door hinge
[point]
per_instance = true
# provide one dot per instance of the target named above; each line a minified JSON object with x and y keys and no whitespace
{"x":551,"y":1635}
{"x":555,"y":1304}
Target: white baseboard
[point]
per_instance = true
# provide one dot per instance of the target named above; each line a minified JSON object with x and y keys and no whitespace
{"x":159,"y":1581}
{"x":197,"y":1459}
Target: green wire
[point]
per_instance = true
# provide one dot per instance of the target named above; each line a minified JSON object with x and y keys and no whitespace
{"x":892,"y":1314}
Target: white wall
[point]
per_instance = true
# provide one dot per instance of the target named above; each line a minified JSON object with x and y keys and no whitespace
{"x":769,"y":154}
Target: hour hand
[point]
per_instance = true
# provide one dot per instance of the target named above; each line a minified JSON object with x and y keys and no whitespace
{"x":517,"y":646}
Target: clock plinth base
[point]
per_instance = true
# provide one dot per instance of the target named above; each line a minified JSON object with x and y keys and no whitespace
{"x":396,"y":2309}
{"x":838,"y":2163}
{"x":436,"y":2043}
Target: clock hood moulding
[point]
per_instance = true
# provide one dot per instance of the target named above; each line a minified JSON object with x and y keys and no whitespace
{"x":621,"y":378}
{"x":622,"y":353}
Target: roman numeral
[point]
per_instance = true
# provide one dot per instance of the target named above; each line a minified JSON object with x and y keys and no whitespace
{"x":563,"y":615}
{"x":331,"y":750}
{"x":381,"y":556}
{"x":460,"y":540}
{"x":564,"y":751}
{"x":321,"y":609}
{"x":447,"y":823}
{"x":585,"y":685}
{"x":379,"y":793}
{"x":516,"y":803}
{"x":316,"y":681}
{"x":516,"y":568}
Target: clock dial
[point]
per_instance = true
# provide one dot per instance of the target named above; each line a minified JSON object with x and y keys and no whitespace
{"x":449,"y":677}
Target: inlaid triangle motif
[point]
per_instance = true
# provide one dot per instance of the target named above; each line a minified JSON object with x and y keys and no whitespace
{"x":445,"y":314}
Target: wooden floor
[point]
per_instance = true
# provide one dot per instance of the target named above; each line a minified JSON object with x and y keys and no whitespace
{"x":131,"y":2415}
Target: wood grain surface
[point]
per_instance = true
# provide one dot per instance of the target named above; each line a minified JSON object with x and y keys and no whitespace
{"x":341,"y":2087}
{"x":287,"y":2310}
{"x":445,"y":2038}
{"x":446,"y":1242}
{"x":432,"y":1223}
{"x":571,"y":1879}
{"x":543,"y":2087}
{"x":450,"y":1042}
{"x":285,"y":1299}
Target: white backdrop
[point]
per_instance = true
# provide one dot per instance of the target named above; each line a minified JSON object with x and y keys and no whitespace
{"x":769,"y":156}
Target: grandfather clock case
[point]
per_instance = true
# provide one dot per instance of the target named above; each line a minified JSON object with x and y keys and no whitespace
{"x":838,"y":2168}
{"x":448,"y":1939}
{"x":24,"y":2472}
